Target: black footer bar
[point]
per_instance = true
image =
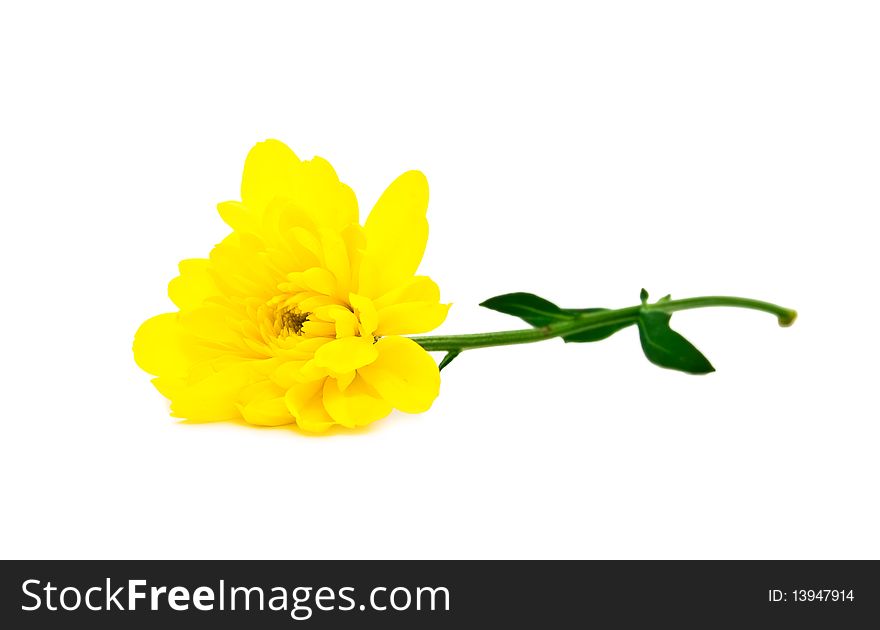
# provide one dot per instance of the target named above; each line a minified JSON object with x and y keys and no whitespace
{"x":437,"y":594}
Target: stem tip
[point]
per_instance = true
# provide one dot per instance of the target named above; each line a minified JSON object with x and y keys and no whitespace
{"x":787,"y":319}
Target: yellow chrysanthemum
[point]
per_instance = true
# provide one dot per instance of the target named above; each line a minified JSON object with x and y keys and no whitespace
{"x":297,"y":315}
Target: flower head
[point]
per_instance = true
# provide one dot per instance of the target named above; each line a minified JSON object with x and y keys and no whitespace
{"x":297,"y":315}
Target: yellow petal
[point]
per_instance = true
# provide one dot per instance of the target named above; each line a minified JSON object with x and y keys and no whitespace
{"x":345,"y":321}
{"x":311,"y":371}
{"x":298,"y":248}
{"x":411,"y":318}
{"x":344,"y":380}
{"x":403,"y":374}
{"x":318,"y":190}
{"x":308,"y":347}
{"x":237,"y":216}
{"x":416,"y":289}
{"x":268,"y":173}
{"x":298,"y":395}
{"x":355,"y":238}
{"x":365,"y":313}
{"x":344,"y":355}
{"x":315,"y":418}
{"x":358,"y":405}
{"x":336,"y":260}
{"x":158,"y":346}
{"x":239,"y":265}
{"x":214,"y":397}
{"x":213,"y":323}
{"x":169,"y":385}
{"x":194,"y":285}
{"x":261,"y":388}
{"x":309,"y":410}
{"x":316,"y":301}
{"x":397,"y":232}
{"x":284,"y":215}
{"x":272,"y":412}
{"x":319,"y":329}
{"x":319,"y":280}
{"x":287,"y":374}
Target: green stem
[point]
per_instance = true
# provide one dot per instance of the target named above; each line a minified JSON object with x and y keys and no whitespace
{"x":589,"y":321}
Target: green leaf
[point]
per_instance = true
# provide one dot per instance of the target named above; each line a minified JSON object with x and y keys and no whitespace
{"x":538,"y":312}
{"x":528,"y":307}
{"x":594,"y":334}
{"x":448,"y":358}
{"x":666,"y":348}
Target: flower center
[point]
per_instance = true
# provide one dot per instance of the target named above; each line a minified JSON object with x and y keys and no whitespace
{"x":292,"y":320}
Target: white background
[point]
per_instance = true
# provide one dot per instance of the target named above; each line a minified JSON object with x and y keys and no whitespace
{"x":580,"y":151}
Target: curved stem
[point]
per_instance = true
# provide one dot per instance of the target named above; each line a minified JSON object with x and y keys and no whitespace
{"x":590,"y":321}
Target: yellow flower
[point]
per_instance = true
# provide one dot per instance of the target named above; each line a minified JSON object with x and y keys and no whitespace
{"x":297,"y":315}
